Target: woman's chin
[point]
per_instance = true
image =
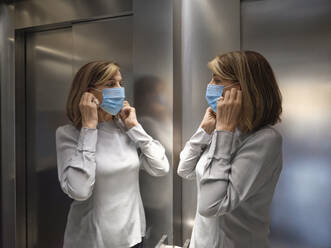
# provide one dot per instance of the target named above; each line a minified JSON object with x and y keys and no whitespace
{"x":104,"y":116}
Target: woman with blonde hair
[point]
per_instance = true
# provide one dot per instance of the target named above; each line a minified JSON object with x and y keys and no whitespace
{"x":98,"y":157}
{"x":236,"y":154}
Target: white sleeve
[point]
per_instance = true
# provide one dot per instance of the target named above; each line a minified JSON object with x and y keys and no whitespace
{"x":191,"y":153}
{"x":152,"y":157}
{"x":224,"y":184}
{"x":76,"y":161}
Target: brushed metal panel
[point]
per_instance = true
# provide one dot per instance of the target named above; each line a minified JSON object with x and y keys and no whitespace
{"x":153,"y":82}
{"x":46,"y":50}
{"x":20,"y":140}
{"x":44,"y":12}
{"x":109,"y":39}
{"x":49,"y":75}
{"x":177,"y":121}
{"x":7,"y":90}
{"x":209,"y":29}
{"x":295,"y":37}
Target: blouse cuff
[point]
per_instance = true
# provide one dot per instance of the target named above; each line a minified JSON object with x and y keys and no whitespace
{"x":202,"y":136}
{"x":138,"y":135}
{"x":223,"y":144}
{"x":87,"y":139}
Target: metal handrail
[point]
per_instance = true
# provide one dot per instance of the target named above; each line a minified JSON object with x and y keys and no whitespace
{"x":187,"y":243}
{"x":161,"y":242}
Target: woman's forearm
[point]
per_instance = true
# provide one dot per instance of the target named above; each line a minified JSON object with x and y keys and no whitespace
{"x":76,"y":162}
{"x":191,"y":153}
{"x":153,"y":156}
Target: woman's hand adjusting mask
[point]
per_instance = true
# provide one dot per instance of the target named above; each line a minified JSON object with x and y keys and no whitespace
{"x":128,"y":115}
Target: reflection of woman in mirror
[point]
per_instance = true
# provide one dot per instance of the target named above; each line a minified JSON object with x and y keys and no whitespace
{"x":98,"y":161}
{"x":151,"y":98}
{"x":236,"y":154}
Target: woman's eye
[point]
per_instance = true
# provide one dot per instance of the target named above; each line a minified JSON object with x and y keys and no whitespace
{"x":113,"y":84}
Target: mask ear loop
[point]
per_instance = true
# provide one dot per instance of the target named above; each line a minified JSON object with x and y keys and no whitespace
{"x":90,"y":88}
{"x":95,"y":100}
{"x":230,"y":85}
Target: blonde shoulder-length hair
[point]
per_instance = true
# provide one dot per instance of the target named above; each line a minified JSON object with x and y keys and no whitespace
{"x":262,"y":99}
{"x":88,"y":76}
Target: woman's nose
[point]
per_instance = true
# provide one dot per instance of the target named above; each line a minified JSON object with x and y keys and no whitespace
{"x":117,"y":85}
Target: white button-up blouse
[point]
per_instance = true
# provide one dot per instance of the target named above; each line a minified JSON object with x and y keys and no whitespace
{"x":236,"y":175}
{"x":99,"y":169}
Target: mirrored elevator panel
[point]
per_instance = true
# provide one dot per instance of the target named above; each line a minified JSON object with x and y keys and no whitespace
{"x":153,"y":91}
{"x":163,"y":48}
{"x":48,"y":78}
{"x":295,"y":37}
{"x":53,"y":58}
{"x":110,"y":40}
{"x":210,"y":28}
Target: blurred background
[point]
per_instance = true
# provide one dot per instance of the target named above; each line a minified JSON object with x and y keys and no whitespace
{"x":163,"y":47}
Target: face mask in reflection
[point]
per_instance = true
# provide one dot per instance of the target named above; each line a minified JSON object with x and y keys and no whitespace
{"x":113,"y":99}
{"x":160,"y":99}
{"x":213,"y":92}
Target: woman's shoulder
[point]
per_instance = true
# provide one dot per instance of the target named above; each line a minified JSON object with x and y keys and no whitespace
{"x":275,"y":132}
{"x":267,"y":134}
{"x":66,"y":131}
{"x":271,"y":132}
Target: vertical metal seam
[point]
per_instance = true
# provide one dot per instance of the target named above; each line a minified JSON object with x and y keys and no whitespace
{"x":177,"y":120}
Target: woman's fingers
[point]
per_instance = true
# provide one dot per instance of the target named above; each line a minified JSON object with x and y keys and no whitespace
{"x":233,"y":94}
{"x":209,"y":110}
{"x":227,"y":96}
{"x":125,"y":111}
{"x":125,"y":104}
{"x":239,"y":97}
{"x":228,"y":109}
{"x":122,"y":114}
{"x":96,"y":101}
{"x":82,"y":99}
{"x":89,"y":98}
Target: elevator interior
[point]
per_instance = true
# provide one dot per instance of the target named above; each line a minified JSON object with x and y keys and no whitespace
{"x":50,"y":53}
{"x":168,"y":43}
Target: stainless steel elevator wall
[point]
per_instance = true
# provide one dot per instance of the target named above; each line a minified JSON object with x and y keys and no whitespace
{"x":62,"y":35}
{"x":49,"y":75}
{"x":209,"y":28}
{"x":145,"y":48}
{"x":295,"y":37}
{"x":111,"y":40}
{"x":7,"y":90}
{"x":53,"y":58}
{"x":34,"y":13}
{"x":153,"y":85}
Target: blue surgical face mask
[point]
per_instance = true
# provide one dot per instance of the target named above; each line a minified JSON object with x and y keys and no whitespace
{"x":113,"y":99}
{"x":213,"y":92}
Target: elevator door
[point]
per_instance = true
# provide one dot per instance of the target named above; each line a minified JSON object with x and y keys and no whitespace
{"x":52,"y":59}
{"x":49,"y":73}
